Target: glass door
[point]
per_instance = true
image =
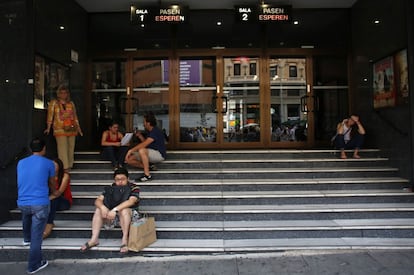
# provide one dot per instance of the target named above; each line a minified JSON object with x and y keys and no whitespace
{"x":289,"y":100}
{"x":223,"y":101}
{"x":108,"y":97}
{"x":241,"y":100}
{"x":197,"y":100}
{"x":151,"y":80}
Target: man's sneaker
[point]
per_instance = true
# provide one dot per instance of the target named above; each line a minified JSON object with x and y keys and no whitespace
{"x":153,"y":167}
{"x":24,"y":243}
{"x":145,"y":178}
{"x":43,"y":264}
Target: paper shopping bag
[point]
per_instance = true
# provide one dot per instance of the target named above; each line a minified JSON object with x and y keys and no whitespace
{"x":142,"y":234}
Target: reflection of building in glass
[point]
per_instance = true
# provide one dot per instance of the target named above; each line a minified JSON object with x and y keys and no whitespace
{"x":287,"y":88}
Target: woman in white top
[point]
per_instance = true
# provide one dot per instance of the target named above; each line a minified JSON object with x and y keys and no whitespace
{"x":350,"y":135}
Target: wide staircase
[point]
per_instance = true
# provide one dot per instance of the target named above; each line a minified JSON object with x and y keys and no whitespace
{"x":241,"y":201}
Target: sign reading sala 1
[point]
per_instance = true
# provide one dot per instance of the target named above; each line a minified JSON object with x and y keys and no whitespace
{"x":163,"y":14}
{"x":263,"y":13}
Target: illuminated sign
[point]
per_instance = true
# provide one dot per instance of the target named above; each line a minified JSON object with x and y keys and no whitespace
{"x":246,"y":14}
{"x":161,"y":14}
{"x":141,"y":15}
{"x":267,"y":13}
{"x":263,"y":13}
{"x":171,"y":14}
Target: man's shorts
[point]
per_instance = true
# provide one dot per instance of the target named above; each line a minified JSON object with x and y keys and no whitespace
{"x":154,"y":156}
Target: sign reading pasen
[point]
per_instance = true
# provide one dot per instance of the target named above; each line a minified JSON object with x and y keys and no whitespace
{"x":267,"y":13}
{"x":164,"y":14}
{"x":263,"y":13}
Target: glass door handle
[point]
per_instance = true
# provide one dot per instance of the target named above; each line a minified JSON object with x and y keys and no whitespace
{"x":306,"y":107}
{"x":225,"y":104}
{"x":315,"y":103}
{"x":304,"y":104}
{"x":214,"y":104}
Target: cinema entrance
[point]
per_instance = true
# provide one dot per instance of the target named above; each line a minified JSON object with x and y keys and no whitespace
{"x":223,"y":99}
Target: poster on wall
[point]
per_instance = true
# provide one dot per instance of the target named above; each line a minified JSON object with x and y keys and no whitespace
{"x":401,"y":75}
{"x":48,"y":76}
{"x":383,"y":81}
{"x":190,"y":72}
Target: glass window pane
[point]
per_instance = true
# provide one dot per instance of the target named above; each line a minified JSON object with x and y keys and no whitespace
{"x":241,"y":120}
{"x":288,"y":91}
{"x":150,"y":93}
{"x":198,"y":114}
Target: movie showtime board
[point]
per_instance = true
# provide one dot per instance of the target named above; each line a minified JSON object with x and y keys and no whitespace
{"x":162,"y":14}
{"x":263,"y":13}
{"x":176,"y":14}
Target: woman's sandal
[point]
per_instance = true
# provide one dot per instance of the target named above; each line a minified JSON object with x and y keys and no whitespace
{"x":123,"y":249}
{"x":87,"y":246}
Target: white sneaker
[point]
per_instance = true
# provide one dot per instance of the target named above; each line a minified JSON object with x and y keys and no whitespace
{"x":43,"y":264}
{"x":24,"y":243}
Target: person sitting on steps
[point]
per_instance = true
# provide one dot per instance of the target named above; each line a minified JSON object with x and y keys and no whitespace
{"x":150,"y":150}
{"x":112,"y":203}
{"x":350,"y":135}
{"x":112,"y":149}
{"x":60,"y":201}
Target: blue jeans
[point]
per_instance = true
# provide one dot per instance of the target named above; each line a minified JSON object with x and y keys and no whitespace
{"x":34,"y":219}
{"x":115,"y":154}
{"x":58,"y":204}
{"x":356,"y":142}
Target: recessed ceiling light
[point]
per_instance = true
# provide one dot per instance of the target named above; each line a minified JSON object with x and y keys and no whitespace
{"x":61,"y":28}
{"x":296,"y":22}
{"x":377,"y":21}
{"x":218,"y":23}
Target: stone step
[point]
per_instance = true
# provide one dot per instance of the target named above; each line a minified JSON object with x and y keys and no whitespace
{"x":249,"y":184}
{"x":240,"y":229}
{"x":254,"y":212}
{"x":259,"y":173}
{"x":53,"y":247}
{"x":262,"y":197}
{"x":250,"y":153}
{"x":244,"y":163}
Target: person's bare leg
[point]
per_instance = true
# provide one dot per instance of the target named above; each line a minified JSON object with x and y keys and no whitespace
{"x":125,"y":221}
{"x":143,"y":154}
{"x":356,"y":155}
{"x":97,"y":222}
{"x":343,"y":155}
{"x":132,"y":160}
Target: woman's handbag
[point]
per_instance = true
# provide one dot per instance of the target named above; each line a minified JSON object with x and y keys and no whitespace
{"x":69,"y":125}
{"x":141,"y":234}
{"x":115,"y":195}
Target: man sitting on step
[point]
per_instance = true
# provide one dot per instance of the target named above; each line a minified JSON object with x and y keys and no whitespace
{"x":116,"y":201}
{"x":150,"y":150}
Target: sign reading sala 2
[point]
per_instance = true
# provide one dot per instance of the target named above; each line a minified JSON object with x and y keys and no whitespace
{"x":263,"y":13}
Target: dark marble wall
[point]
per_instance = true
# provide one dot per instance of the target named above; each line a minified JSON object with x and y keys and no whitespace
{"x":16,"y":96}
{"x":27,"y":28}
{"x":389,"y":129}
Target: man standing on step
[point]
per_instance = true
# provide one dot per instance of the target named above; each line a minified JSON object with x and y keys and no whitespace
{"x":150,"y":150}
{"x":35,"y":180}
